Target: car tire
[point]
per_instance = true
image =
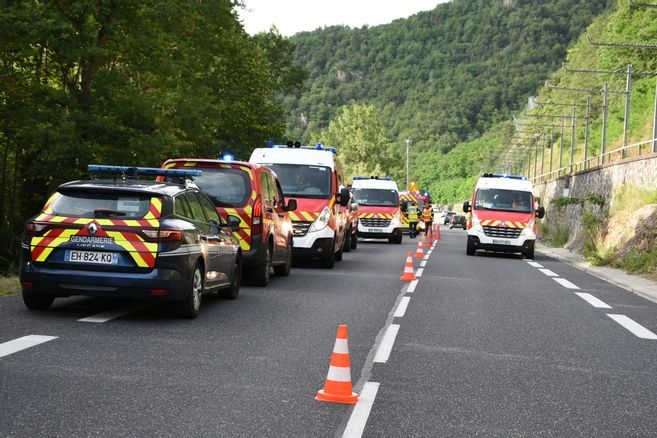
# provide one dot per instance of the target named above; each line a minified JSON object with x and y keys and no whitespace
{"x":338,"y":254}
{"x":37,"y":301}
{"x":528,"y":253}
{"x":328,"y":261}
{"x":191,"y":305}
{"x":261,"y":274}
{"x":470,"y":248}
{"x":396,"y":239}
{"x":234,"y":290}
{"x":354,"y":240}
{"x":347,"y":242}
{"x":284,"y":269}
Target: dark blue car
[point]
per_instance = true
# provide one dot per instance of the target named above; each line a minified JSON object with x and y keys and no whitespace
{"x":130,"y":238}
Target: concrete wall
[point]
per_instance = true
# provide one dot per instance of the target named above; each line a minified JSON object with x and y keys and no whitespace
{"x":640,"y":172}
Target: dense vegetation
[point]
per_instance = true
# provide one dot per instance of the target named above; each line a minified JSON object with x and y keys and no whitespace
{"x":440,"y":77}
{"x":126,"y":82}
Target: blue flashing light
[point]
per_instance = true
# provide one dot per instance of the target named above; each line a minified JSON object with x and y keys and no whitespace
{"x":150,"y":171}
{"x":495,"y":175}
{"x":228,"y":157}
{"x":269,"y":144}
{"x":319,"y":146}
{"x":385,"y":178}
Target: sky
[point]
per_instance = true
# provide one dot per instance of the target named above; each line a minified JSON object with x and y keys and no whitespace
{"x":292,"y":16}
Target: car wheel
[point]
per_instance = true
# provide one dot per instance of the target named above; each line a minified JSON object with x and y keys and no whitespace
{"x":528,"y":253}
{"x":347,"y":241}
{"x":284,"y":269}
{"x":354,"y":240}
{"x":328,"y":261}
{"x":470,"y":248}
{"x":234,"y":290}
{"x":191,"y":305}
{"x":261,"y":274}
{"x":395,"y":239}
{"x":338,"y":254}
{"x":37,"y":301}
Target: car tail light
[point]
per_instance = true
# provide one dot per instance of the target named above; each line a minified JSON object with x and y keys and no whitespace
{"x":27,"y":284}
{"x":34,"y":228}
{"x":164,"y":235}
{"x":256,"y":221}
{"x":158,"y":291}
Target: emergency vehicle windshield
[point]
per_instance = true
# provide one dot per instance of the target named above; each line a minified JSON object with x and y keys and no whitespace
{"x":376,"y":197}
{"x":303,"y":181}
{"x":100,"y":205}
{"x":503,"y":200}
{"x":226,"y":187}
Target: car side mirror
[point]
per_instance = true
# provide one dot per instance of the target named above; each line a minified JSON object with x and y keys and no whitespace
{"x":353,"y":206}
{"x":466,"y":206}
{"x":344,"y":197}
{"x":291,"y":205}
{"x":540,"y":213}
{"x":233,"y":222}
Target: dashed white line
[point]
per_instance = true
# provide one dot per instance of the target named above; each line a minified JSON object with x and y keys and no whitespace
{"x":115,"y":313}
{"x":535,"y":265}
{"x":423,"y":263}
{"x":548,"y":273}
{"x":565,"y":283}
{"x":595,"y":302}
{"x":16,"y":345}
{"x":419,"y":272}
{"x":361,"y":412}
{"x":411,"y":287}
{"x":401,"y":308}
{"x":383,"y":353}
{"x":633,"y":326}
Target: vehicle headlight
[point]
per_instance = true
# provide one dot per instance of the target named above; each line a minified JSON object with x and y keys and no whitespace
{"x":322,"y":221}
{"x":396,"y":220}
{"x":529,"y":229}
{"x":476,"y":225}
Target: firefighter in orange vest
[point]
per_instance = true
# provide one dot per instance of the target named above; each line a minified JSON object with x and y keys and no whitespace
{"x":427,"y":217}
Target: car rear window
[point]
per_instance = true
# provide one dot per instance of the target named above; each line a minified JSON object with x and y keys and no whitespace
{"x":101,"y":205}
{"x":225,"y":187}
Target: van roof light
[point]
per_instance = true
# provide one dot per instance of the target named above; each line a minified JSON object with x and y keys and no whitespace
{"x":136,"y":171}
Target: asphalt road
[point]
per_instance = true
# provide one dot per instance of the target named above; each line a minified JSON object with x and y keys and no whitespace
{"x":487,"y":346}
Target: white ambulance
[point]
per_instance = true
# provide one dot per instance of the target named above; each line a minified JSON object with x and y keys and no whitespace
{"x":379,"y":215}
{"x":502,"y":215}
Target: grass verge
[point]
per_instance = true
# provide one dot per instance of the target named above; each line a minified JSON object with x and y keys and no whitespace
{"x":9,"y":286}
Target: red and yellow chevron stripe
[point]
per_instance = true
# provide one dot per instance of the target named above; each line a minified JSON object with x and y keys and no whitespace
{"x":376,"y":215}
{"x":304,"y":216}
{"x":502,"y":224}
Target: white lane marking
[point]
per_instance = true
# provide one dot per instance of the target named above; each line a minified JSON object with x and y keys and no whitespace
{"x":115,"y":313}
{"x":401,"y":309}
{"x":411,"y":287}
{"x":361,"y":412}
{"x":595,"y":302}
{"x":423,"y":263}
{"x":549,"y":273}
{"x":565,"y":283}
{"x":419,"y":272}
{"x":529,"y":260}
{"x":16,"y":345}
{"x":426,"y":257}
{"x":534,"y":264}
{"x":383,"y":353}
{"x":633,"y":326}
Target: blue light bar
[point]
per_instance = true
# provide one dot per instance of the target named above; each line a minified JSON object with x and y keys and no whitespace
{"x":228,"y":157}
{"x":151,"y":171}
{"x":318,"y":146}
{"x":495,"y":175}
{"x":384,"y":178}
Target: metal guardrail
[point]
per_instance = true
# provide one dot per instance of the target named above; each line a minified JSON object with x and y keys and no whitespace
{"x":621,"y":153}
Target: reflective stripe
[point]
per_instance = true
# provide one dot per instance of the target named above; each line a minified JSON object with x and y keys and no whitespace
{"x":339,"y":374}
{"x":341,"y":346}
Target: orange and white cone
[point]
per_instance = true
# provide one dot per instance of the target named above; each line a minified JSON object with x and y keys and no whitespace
{"x":408,"y":274}
{"x":337,"y":388}
{"x":435,"y":232}
{"x":427,"y":238}
{"x":419,"y":253}
{"x":439,"y":237}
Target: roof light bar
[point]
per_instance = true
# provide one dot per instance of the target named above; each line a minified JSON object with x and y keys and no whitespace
{"x":496,"y":175}
{"x":297,"y":145}
{"x":135,"y":171}
{"x":384,"y":178}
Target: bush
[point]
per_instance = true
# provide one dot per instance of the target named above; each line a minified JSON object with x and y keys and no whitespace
{"x":555,"y":235}
{"x":639,"y":262}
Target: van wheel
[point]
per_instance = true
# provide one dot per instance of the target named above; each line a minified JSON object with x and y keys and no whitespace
{"x":190,"y":306}
{"x":338,"y":254}
{"x":261,"y":274}
{"x":328,"y":261}
{"x":470,"y":249}
{"x":234,"y":290}
{"x":284,"y":269}
{"x":37,"y":301}
{"x":354,"y":240}
{"x":347,"y":242}
{"x":529,"y":253}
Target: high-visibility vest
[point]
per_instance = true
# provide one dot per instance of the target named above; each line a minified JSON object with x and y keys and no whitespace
{"x":412,"y":214}
{"x":426,"y":215}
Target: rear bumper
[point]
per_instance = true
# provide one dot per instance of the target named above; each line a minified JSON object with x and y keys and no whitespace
{"x":524,"y":246}
{"x":256,"y":255}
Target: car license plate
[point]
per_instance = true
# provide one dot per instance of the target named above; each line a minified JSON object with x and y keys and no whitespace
{"x":374,"y":230}
{"x":501,"y":242}
{"x":103,"y":258}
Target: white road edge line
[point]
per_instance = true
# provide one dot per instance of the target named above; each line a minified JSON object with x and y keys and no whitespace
{"x":385,"y":348}
{"x":411,"y":287}
{"x":549,"y":273}
{"x":423,"y":263}
{"x":535,"y":265}
{"x":16,"y":345}
{"x":595,"y":302}
{"x":361,"y":412}
{"x":401,"y":309}
{"x":565,"y":283}
{"x":419,"y":272}
{"x":633,"y":326}
{"x":115,"y":313}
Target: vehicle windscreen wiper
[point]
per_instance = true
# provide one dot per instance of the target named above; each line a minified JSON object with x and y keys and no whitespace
{"x":108,"y":212}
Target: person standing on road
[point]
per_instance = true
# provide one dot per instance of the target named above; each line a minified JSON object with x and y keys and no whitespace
{"x":413,"y":219}
{"x":427,"y":218}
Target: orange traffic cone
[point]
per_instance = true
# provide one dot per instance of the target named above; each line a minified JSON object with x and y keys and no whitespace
{"x":419,"y":253}
{"x":435,"y":232}
{"x":408,"y":274}
{"x":427,"y":238}
{"x":439,"y":237}
{"x":337,"y":388}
